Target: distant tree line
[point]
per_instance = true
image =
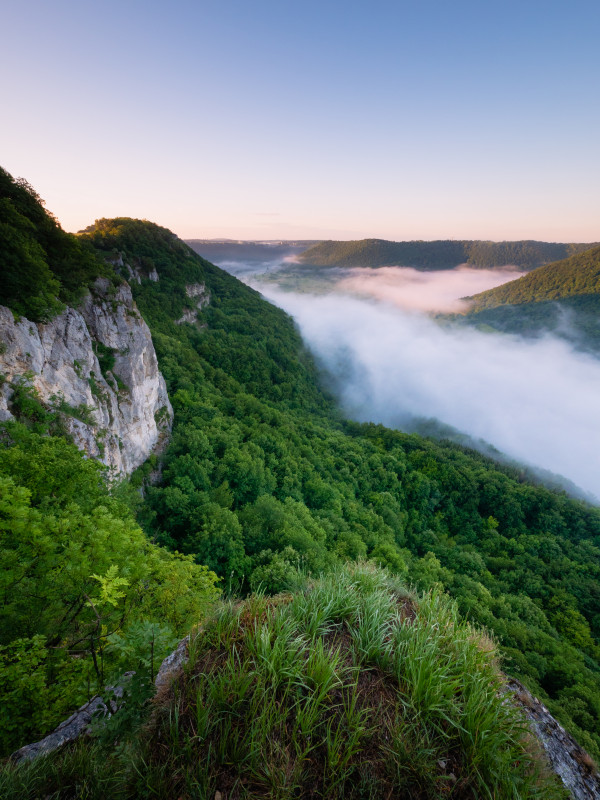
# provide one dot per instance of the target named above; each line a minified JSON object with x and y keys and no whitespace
{"x":442,"y":254}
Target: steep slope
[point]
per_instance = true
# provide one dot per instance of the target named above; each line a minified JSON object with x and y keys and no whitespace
{"x":576,"y":276}
{"x":95,"y":366}
{"x":436,"y":254}
{"x":92,"y":364}
{"x":228,"y":324}
{"x":263,"y":479}
{"x":562,"y":298}
{"x":42,"y":266}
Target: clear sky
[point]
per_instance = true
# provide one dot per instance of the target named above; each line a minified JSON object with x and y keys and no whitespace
{"x":330,"y":119}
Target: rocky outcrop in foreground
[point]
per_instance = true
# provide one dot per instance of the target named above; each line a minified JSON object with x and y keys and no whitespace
{"x":567,"y":759}
{"x":96,"y":365}
{"x":72,"y":728}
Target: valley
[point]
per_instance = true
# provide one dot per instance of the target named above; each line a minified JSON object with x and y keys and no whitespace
{"x":264,"y":485}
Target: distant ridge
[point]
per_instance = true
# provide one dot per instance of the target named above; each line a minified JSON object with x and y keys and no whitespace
{"x":220,"y":251}
{"x":440,"y":254}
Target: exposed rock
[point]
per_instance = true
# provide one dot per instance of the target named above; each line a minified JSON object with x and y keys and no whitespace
{"x":116,"y":259}
{"x":120,"y":417}
{"x":189,"y":315}
{"x":75,"y":726}
{"x":79,"y":723}
{"x":199,"y":292}
{"x":567,"y":759}
{"x":172,"y":664}
{"x":134,"y":274}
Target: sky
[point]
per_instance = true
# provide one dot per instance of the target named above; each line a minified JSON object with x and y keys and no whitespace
{"x":328,"y":119}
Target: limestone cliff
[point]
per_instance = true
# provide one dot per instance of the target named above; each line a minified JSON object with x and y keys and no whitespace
{"x":96,"y":365}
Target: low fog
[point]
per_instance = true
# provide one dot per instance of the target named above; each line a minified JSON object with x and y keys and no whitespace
{"x":535,"y":400}
{"x":424,"y":291}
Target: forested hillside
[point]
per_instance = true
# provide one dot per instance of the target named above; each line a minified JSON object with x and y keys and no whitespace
{"x":576,"y":276}
{"x":42,"y":266}
{"x":263,"y":479}
{"x":562,"y":298}
{"x":437,"y":254}
{"x":264,"y":483}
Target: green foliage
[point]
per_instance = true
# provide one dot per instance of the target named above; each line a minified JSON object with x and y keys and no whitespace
{"x":84,"y":772}
{"x":42,"y":266}
{"x":137,"y":653}
{"x":525,"y":254}
{"x":25,"y":690}
{"x":561,"y":298}
{"x":27,"y":284}
{"x":75,"y":573}
{"x":382,"y":253}
{"x":437,"y":254}
{"x":351,"y":688}
{"x":263,"y":481}
{"x":27,"y":406}
{"x":105,"y":356}
{"x":379,"y":697}
{"x":577,"y":275}
{"x":80,"y":412}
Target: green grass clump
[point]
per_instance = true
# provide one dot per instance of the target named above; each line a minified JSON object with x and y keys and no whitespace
{"x":349,"y":689}
{"x":82,"y":772}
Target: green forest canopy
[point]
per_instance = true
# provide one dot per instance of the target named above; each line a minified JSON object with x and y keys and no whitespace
{"x":42,"y":266}
{"x":263,"y":480}
{"x":578,"y":276}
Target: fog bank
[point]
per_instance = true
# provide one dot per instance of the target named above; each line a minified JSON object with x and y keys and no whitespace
{"x":437,"y":290}
{"x":537,"y":401}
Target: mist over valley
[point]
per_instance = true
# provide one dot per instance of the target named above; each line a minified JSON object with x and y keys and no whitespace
{"x":390,"y":359}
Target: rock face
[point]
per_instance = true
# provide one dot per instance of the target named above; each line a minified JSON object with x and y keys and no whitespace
{"x":199,"y":293}
{"x":567,"y":759}
{"x":118,"y":413}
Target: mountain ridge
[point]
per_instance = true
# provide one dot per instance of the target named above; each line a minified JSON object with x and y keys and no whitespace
{"x":437,"y":254}
{"x":561,"y":299}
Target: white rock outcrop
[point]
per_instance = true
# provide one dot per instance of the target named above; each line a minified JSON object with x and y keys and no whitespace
{"x":201,"y":295}
{"x":120,"y":417}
